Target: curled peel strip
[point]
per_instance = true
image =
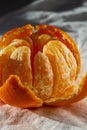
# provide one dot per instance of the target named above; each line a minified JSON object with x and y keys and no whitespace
{"x":39,"y":67}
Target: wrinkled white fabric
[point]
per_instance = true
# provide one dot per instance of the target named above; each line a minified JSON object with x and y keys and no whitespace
{"x":62,"y":118}
{"x":74,"y":22}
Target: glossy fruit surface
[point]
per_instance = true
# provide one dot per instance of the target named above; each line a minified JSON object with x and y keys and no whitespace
{"x":40,"y":67}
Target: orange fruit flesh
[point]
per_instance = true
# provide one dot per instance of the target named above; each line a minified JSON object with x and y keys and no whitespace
{"x":43,"y":76}
{"x":80,"y":93}
{"x":39,"y":68}
{"x":64,"y":70}
{"x":64,"y":38}
{"x":16,"y":61}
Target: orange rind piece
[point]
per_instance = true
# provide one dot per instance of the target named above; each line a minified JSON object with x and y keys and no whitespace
{"x":40,"y":67}
{"x":16,"y":94}
{"x":23,"y":32}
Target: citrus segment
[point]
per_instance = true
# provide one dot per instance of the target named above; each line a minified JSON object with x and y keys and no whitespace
{"x":43,"y":76}
{"x":19,"y":42}
{"x":76,"y":96}
{"x":21,"y":58}
{"x":61,"y":69}
{"x":17,"y":63}
{"x":42,"y":40}
{"x":68,"y":56}
{"x":7,"y":51}
{"x":5,"y":67}
{"x":64,"y":38}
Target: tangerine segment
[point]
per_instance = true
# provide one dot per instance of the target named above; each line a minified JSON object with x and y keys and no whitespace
{"x":7,"y":51}
{"x":17,"y":63}
{"x":64,"y":38}
{"x":19,"y":42}
{"x":13,"y":92}
{"x":23,"y":32}
{"x":68,"y":56}
{"x":42,"y":40}
{"x":5,"y":69}
{"x":21,"y":58}
{"x":43,"y":76}
{"x":39,"y":40}
{"x":78,"y":95}
{"x":62,"y":70}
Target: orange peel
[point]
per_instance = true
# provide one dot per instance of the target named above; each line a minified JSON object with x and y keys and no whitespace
{"x":17,"y":33}
{"x":15,"y":93}
{"x":40,"y":67}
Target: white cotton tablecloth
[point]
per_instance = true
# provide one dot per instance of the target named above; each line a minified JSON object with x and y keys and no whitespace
{"x":74,"y":22}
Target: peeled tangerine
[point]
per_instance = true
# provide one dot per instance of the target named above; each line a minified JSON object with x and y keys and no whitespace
{"x":39,"y":67}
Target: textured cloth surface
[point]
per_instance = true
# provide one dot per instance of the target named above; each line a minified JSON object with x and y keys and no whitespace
{"x":74,"y":22}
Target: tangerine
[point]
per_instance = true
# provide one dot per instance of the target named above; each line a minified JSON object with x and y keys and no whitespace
{"x":40,"y":67}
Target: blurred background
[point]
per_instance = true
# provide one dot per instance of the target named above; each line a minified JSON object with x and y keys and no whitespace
{"x":61,"y":13}
{"x":7,"y":6}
